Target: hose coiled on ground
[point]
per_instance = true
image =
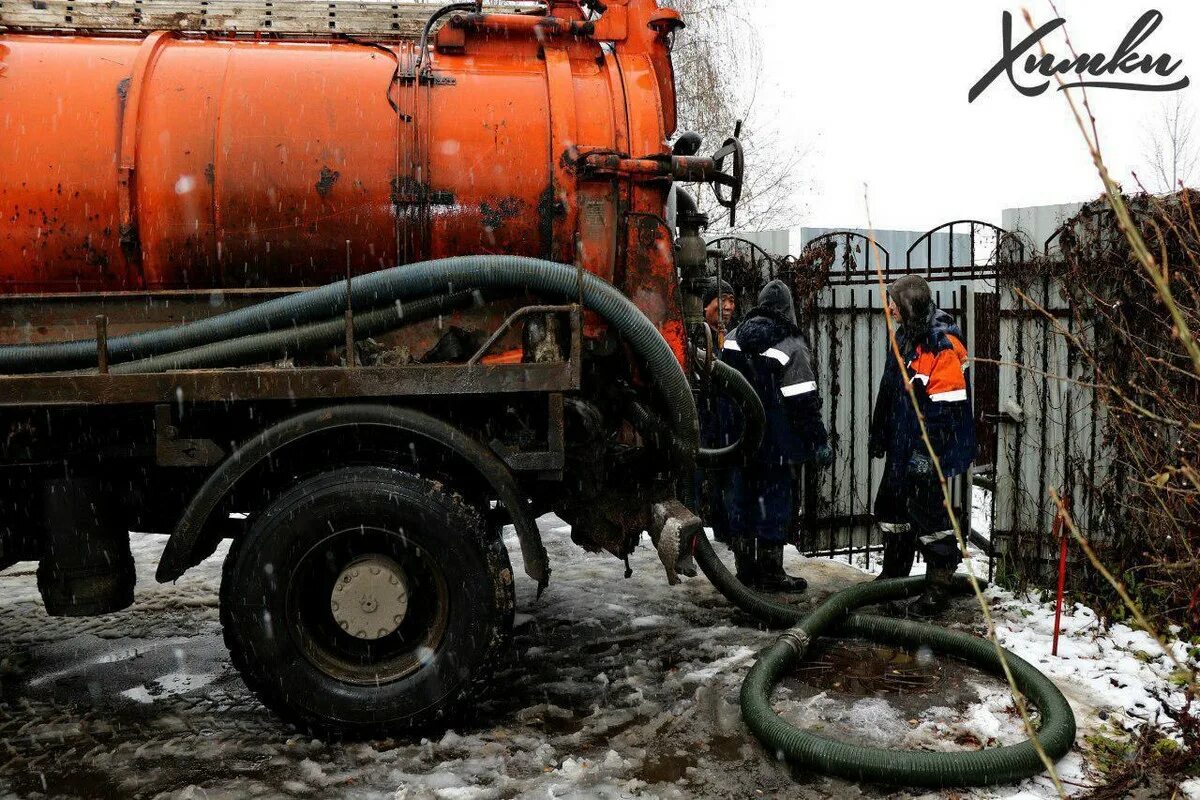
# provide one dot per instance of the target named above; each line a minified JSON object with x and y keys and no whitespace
{"x":908,"y":768}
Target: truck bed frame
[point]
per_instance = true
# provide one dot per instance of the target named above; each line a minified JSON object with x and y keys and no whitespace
{"x":283,"y":18}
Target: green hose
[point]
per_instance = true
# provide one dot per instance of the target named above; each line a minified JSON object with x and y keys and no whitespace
{"x":1009,"y":764}
{"x":732,"y":384}
{"x":401,"y":284}
{"x":274,"y":345}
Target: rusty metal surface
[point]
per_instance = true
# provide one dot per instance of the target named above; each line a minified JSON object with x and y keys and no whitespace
{"x":378,"y":18}
{"x":552,"y":460}
{"x":515,"y":317}
{"x":300,"y":383}
{"x":172,"y":450}
{"x":35,"y":318}
{"x":196,"y":161}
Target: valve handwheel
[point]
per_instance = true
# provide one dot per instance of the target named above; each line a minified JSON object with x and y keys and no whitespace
{"x":733,"y":180}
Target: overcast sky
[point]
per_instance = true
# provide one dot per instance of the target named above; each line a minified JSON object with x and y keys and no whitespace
{"x":878,"y":90}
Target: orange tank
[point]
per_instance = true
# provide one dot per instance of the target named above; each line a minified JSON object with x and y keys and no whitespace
{"x":171,"y":160}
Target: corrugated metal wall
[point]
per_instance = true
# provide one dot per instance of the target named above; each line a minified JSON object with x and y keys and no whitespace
{"x":1052,"y":430}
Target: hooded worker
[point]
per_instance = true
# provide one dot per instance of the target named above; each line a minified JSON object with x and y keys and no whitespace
{"x":910,"y":507}
{"x":771,"y":352}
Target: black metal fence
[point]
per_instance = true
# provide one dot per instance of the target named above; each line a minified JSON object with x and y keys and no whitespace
{"x":837,"y":278}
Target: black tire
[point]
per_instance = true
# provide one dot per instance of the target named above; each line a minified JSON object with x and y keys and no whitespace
{"x":280,"y":581}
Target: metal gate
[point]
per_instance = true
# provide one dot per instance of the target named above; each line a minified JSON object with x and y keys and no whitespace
{"x":848,"y":333}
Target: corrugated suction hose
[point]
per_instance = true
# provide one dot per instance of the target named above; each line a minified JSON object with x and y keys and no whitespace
{"x":732,"y":384}
{"x":274,"y":345}
{"x":398,"y":285}
{"x":1009,"y":764}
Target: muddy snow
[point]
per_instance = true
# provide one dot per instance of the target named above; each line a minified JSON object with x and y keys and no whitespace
{"x":617,"y":689}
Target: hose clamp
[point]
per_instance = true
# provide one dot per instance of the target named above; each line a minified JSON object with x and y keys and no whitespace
{"x":796,"y":639}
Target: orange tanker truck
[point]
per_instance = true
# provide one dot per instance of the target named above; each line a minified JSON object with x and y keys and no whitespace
{"x":353,"y":285}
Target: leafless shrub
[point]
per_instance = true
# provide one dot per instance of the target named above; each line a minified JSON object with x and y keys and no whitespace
{"x":1140,"y":352}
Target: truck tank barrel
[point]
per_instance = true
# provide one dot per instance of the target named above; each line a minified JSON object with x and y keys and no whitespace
{"x":177,"y":160}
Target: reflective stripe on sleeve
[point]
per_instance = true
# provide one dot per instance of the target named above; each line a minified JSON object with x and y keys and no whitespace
{"x":778,"y":355}
{"x":922,"y":378}
{"x":730,"y":344}
{"x":799,"y":388}
{"x":956,"y":396}
{"x":939,"y":536}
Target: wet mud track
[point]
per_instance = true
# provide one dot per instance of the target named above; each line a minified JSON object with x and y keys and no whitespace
{"x":616,"y":689}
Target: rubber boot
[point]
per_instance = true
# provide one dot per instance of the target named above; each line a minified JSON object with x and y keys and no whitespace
{"x":743,"y":556}
{"x":936,"y":597}
{"x":899,"y":551}
{"x":686,"y":565}
{"x":771,"y":577}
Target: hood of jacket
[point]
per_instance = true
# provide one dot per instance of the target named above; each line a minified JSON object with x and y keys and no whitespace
{"x":942,"y":324}
{"x":932,"y":334}
{"x":775,"y":300}
{"x":913,"y":297}
{"x":771,"y":321}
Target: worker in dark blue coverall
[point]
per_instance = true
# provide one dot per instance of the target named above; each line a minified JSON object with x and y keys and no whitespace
{"x":910,"y":507}
{"x":720,"y":310}
{"x":771,"y":352}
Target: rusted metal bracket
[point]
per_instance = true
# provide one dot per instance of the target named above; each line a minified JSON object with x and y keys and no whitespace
{"x":520,"y":314}
{"x":603,"y":163}
{"x":102,"y":344}
{"x":426,"y":78}
{"x":171,"y":451}
{"x":551,"y":460}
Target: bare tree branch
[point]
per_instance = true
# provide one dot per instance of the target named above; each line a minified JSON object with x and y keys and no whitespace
{"x":1172,"y":147}
{"x":718,"y":70}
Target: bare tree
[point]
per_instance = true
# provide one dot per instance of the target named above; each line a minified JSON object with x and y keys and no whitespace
{"x":1172,"y":146}
{"x":718,"y":69}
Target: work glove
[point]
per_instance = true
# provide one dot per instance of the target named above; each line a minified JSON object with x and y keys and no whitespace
{"x":920,"y":467}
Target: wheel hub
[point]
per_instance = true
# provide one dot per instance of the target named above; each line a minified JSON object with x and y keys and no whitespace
{"x":370,"y":598}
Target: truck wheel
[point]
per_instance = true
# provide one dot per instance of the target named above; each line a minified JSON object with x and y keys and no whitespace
{"x":366,"y":601}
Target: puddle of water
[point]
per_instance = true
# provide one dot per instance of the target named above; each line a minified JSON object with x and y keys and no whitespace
{"x":726,"y":748}
{"x":860,"y":669}
{"x":666,"y":766}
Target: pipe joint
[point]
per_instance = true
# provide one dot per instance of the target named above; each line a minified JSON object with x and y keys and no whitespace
{"x":797,"y":639}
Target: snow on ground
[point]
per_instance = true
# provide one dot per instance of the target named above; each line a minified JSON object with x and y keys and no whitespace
{"x":619,"y":688}
{"x":982,"y":512}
